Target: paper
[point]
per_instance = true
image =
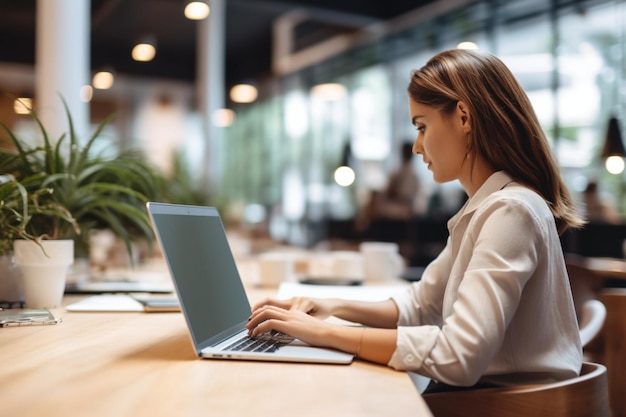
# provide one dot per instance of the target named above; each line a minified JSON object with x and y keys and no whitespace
{"x":124,"y":303}
{"x":111,"y":303}
{"x":361,"y":293}
{"x":98,"y":287}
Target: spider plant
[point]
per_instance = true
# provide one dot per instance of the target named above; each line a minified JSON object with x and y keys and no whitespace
{"x":18,"y":206}
{"x":99,"y":192}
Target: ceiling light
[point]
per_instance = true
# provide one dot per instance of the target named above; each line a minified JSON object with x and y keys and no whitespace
{"x":614,"y":165}
{"x":467,"y":45}
{"x":613,"y":149}
{"x":223,"y":117}
{"x":144,"y":51}
{"x":86,"y":93}
{"x":22,"y":105}
{"x":344,"y":176}
{"x":329,"y":92}
{"x":243,"y":93}
{"x":103,"y":80}
{"x":613,"y":145}
{"x":197,"y":10}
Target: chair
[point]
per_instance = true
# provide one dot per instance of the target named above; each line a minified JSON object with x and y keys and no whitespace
{"x":614,"y":345}
{"x":583,"y":396}
{"x":591,"y":321}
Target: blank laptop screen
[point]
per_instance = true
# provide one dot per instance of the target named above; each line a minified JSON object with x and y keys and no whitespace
{"x":203,"y":269}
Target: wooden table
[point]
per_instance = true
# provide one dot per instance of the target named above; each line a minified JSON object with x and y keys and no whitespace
{"x":142,"y":364}
{"x":600,"y":269}
{"x":607,"y":267}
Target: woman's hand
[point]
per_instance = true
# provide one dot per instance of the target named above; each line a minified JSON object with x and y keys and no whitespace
{"x":316,"y":307}
{"x":303,"y":318}
{"x":289,"y":319}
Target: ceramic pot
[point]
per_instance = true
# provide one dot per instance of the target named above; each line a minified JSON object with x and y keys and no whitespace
{"x":44,"y":272}
{"x":11,"y":286}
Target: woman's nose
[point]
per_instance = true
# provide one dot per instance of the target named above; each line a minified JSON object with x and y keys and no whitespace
{"x":417,"y":146}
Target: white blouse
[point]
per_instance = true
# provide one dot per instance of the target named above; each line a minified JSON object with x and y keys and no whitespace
{"x":496,"y":304}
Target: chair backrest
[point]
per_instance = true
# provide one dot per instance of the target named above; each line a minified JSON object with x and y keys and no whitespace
{"x":592,"y":320}
{"x":583,"y":396}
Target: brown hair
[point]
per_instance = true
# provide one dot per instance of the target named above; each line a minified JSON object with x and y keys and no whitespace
{"x":505,"y":130}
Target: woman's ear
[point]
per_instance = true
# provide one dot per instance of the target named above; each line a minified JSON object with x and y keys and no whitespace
{"x":463,"y":111}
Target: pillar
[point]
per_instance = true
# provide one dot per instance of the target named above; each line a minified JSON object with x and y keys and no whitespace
{"x":210,"y":85}
{"x":62,"y":64}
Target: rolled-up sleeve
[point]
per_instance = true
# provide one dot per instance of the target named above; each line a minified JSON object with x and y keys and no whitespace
{"x":420,"y":314}
{"x":412,"y":343}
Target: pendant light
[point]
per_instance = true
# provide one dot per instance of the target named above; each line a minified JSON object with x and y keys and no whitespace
{"x":613,"y":151}
{"x":613,"y":144}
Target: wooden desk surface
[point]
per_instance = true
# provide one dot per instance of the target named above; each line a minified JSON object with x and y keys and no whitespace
{"x":600,"y":267}
{"x":142,"y":364}
{"x":607,"y":267}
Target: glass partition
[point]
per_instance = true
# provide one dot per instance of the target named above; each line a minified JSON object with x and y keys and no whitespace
{"x":283,"y":151}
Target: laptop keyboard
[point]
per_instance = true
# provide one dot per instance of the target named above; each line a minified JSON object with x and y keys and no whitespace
{"x":265,"y":342}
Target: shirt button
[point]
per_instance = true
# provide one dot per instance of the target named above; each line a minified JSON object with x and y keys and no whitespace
{"x":409,"y":358}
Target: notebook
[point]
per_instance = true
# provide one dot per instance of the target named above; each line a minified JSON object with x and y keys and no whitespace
{"x":210,"y":291}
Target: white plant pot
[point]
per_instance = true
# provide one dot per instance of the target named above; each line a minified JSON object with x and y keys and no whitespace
{"x":44,"y":274}
{"x":11,"y":286}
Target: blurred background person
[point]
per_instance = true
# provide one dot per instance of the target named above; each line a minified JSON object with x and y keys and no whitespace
{"x":598,"y":208}
{"x":396,"y":201}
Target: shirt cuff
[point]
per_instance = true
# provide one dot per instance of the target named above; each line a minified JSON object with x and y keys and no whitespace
{"x":413,"y":346}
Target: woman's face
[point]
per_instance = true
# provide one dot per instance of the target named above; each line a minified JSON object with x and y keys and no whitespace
{"x":442,"y":140}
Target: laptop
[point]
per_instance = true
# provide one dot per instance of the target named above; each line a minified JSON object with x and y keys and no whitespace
{"x":211,"y":294}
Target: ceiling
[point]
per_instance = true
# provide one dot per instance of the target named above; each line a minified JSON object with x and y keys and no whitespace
{"x":117,"y":24}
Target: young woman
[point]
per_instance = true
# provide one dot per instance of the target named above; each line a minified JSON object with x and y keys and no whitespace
{"x":495,"y":307}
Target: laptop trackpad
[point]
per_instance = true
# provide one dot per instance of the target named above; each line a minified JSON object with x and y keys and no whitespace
{"x":298,"y":349}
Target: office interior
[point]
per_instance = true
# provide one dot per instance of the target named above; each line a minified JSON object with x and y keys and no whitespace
{"x":296,"y":161}
{"x":338,"y":98}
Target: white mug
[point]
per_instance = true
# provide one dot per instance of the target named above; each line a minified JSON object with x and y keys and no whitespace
{"x":381,"y":260}
{"x":348,"y":265}
{"x":274,"y":268}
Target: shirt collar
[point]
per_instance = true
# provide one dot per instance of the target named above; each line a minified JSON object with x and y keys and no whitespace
{"x":497,"y":181}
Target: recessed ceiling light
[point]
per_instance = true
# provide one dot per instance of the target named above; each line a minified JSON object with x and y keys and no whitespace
{"x":197,"y":10}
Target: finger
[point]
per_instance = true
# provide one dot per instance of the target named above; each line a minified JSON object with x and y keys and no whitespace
{"x":303,"y":304}
{"x":269,"y":319}
{"x":256,"y":317}
{"x":263,"y":314}
{"x":266,"y":326}
{"x":272,"y":302}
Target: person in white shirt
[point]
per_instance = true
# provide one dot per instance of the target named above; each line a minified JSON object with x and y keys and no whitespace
{"x":495,"y":307}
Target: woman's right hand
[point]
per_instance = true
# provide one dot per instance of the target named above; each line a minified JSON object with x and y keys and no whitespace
{"x":320,"y":308}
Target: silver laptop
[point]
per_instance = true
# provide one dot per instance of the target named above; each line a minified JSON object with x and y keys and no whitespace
{"x":211,"y":294}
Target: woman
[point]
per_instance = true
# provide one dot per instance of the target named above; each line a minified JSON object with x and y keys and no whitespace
{"x":495,"y":306}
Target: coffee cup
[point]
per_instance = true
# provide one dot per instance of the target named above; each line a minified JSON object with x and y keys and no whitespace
{"x":348,"y":265}
{"x":381,"y":261}
{"x":320,"y":265}
{"x":274,"y":268}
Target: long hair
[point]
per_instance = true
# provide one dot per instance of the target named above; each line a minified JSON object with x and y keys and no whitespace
{"x":505,"y":129}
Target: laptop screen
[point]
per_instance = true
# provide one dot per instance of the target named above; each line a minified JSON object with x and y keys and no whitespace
{"x":203,"y":269}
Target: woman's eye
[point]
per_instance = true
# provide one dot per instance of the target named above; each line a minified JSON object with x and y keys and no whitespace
{"x":420,"y":128}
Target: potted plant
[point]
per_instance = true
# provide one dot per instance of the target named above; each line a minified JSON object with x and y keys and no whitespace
{"x":99,"y":192}
{"x":17,"y":207}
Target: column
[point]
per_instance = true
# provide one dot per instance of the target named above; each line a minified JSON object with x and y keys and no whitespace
{"x":210,"y":85}
{"x":62,"y":64}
